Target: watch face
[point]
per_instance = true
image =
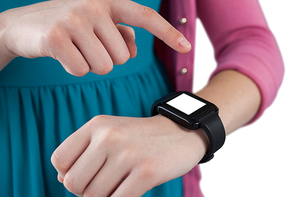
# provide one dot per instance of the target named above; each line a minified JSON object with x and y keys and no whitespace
{"x":185,"y":108}
{"x":186,"y":104}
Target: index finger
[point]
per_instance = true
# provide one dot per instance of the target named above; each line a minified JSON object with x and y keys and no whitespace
{"x":134,"y":14}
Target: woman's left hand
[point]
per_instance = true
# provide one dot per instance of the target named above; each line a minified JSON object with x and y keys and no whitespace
{"x":122,"y":156}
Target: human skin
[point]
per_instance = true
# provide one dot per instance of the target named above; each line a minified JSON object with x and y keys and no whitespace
{"x":146,"y":152}
{"x":109,"y":155}
{"x":83,"y":35}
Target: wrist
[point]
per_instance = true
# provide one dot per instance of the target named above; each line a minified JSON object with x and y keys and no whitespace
{"x":193,"y":112}
{"x":5,"y":55}
{"x":197,"y":139}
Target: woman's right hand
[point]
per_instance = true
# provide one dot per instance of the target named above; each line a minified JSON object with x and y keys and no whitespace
{"x":83,"y":35}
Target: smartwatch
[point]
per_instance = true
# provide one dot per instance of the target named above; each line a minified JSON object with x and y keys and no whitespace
{"x":193,"y":112}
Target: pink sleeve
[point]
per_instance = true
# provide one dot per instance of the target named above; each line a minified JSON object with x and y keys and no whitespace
{"x":243,"y":41}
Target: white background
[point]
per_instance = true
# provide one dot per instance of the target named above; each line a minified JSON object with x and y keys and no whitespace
{"x":258,"y":160}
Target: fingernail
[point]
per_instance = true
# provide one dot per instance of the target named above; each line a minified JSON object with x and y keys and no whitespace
{"x":184,"y":42}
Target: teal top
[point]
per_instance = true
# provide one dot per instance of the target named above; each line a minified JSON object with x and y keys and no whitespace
{"x":41,"y":105}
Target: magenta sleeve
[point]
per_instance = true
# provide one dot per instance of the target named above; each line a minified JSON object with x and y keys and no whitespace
{"x":242,"y":41}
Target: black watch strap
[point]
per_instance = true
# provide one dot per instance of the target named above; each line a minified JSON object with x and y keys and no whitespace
{"x":205,"y":117}
{"x":212,"y":125}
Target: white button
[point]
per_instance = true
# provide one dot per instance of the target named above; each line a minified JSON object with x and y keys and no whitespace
{"x":183,"y":71}
{"x":182,"y":21}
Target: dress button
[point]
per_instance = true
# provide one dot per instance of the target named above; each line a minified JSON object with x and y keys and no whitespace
{"x":182,"y":21}
{"x":183,"y":71}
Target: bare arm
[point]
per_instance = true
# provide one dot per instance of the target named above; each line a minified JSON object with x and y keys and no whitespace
{"x":5,"y":57}
{"x":236,"y":95}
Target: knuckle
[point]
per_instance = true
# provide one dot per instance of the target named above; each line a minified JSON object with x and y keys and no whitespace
{"x":122,"y":58}
{"x":89,"y":193}
{"x":107,"y":68}
{"x":127,"y":31}
{"x":131,"y":32}
{"x":59,"y":163}
{"x":148,"y":174}
{"x":111,"y":136}
{"x":54,"y":160}
{"x":104,"y":134}
{"x":54,"y":37}
{"x":100,"y":118}
{"x":71,"y":17}
{"x":86,"y":4}
{"x":104,"y":68}
{"x":92,"y":7}
{"x":148,"y":171}
{"x":170,"y":31}
{"x":127,"y":155}
{"x":77,"y":17}
{"x":95,"y":123}
{"x":108,"y":136}
{"x":69,"y":183}
{"x":75,"y":20}
{"x":81,"y":70}
{"x":148,"y":12}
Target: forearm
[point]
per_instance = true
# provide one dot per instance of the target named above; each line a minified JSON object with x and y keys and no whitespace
{"x":242,"y":41}
{"x":237,"y":97}
{"x":5,"y":56}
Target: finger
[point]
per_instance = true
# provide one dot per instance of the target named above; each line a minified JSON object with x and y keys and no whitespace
{"x":70,"y":150}
{"x":112,"y":40}
{"x":133,"y":186}
{"x":135,"y":14}
{"x":85,"y":168}
{"x":128,"y":35}
{"x":62,"y":49}
{"x":60,"y":179}
{"x":107,"y":179}
{"x":93,"y":51}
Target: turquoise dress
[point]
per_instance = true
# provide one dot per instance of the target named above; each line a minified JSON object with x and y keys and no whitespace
{"x":41,"y":105}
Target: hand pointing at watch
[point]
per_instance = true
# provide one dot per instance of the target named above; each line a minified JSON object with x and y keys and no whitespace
{"x":82,"y":35}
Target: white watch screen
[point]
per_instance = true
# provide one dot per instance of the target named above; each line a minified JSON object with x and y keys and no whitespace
{"x":186,"y":104}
